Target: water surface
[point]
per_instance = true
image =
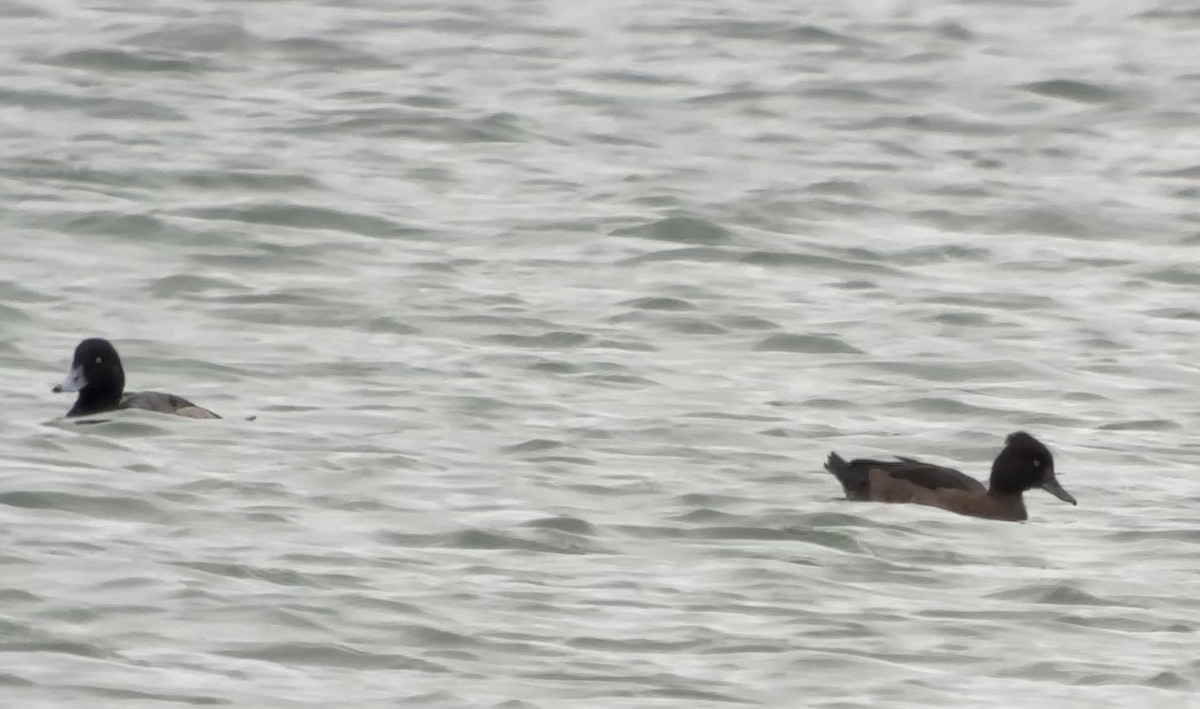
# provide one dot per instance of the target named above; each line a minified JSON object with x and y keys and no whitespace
{"x":550,"y":312}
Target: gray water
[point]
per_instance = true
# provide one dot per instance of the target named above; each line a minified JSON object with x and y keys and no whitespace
{"x":549,"y":313}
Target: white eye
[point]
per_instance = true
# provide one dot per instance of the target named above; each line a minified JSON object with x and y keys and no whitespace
{"x":1037,"y":463}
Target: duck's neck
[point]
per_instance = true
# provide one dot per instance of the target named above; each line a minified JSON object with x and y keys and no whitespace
{"x":1005,"y":505}
{"x":94,"y":400}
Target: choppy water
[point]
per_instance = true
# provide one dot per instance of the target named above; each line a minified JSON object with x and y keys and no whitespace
{"x":549,"y":313}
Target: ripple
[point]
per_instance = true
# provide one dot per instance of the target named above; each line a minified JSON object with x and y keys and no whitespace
{"x":683,"y":229}
{"x":660,"y":303}
{"x":776,"y":258}
{"x":125,"y":225}
{"x":1054,"y":594}
{"x":101,"y":506}
{"x":187,"y":283}
{"x":329,"y":655}
{"x":1067,"y":89}
{"x":804,"y":34}
{"x":198,"y":36}
{"x":276,"y":576}
{"x":805,"y":344}
{"x":550,"y":340}
{"x":1141,"y":425}
{"x":254,"y":180}
{"x":536,"y":445}
{"x":126,"y":60}
{"x":12,"y":680}
{"x":572,"y":525}
{"x":553,"y":542}
{"x":139,"y":695}
{"x":300,"y":217}
{"x":1041,"y":220}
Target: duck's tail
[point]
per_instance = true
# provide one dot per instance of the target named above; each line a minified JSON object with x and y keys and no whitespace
{"x":855,"y":479}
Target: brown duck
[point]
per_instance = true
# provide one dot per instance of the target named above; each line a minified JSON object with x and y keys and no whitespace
{"x":1023,"y":465}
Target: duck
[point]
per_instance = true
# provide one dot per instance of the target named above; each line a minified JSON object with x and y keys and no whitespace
{"x":1023,"y":464}
{"x":99,"y":379}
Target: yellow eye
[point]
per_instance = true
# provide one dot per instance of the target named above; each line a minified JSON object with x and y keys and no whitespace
{"x":99,"y":360}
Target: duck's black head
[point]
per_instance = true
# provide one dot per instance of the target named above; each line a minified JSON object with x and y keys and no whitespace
{"x":1025,"y":464}
{"x":97,"y":375}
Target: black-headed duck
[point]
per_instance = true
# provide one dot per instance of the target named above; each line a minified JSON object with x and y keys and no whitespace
{"x":1023,"y":465}
{"x":97,"y":375}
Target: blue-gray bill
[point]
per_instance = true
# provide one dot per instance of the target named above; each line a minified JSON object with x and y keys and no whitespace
{"x":1051,"y":486}
{"x":75,"y":381}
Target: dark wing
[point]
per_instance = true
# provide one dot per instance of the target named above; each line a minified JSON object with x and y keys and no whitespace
{"x":927,"y":475}
{"x":934,"y":477}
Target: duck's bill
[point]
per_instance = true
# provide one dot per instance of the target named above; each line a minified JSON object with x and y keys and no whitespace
{"x":1051,"y":486}
{"x":75,"y":381}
